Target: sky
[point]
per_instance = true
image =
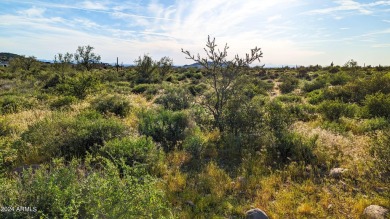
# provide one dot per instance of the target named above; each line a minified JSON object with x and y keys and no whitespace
{"x":289,"y":32}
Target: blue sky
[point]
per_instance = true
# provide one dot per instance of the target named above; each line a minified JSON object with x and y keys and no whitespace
{"x":294,"y":32}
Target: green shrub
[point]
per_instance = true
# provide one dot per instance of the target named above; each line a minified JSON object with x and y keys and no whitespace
{"x":277,"y":118}
{"x":194,"y":144}
{"x":175,"y":99}
{"x":140,"y":88}
{"x":14,"y":104}
{"x":5,"y":127}
{"x":181,"y":77}
{"x":343,"y":93}
{"x":197,"y":89}
{"x":374,"y":124}
{"x":132,"y":150}
{"x":290,"y":147}
{"x":63,"y":102}
{"x":79,"y":190}
{"x":251,"y":87}
{"x":335,"y":126}
{"x":290,"y":98}
{"x":333,"y":110}
{"x":79,"y":85}
{"x":303,"y":112}
{"x":316,"y":96}
{"x":319,"y":83}
{"x":52,"y":81}
{"x":288,"y":84}
{"x":334,"y":70}
{"x":164,"y":126}
{"x":339,"y":79}
{"x":61,"y":136}
{"x":149,"y":89}
{"x":115,"y":104}
{"x":378,"y":105}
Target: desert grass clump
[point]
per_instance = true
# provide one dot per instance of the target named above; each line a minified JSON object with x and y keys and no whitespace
{"x":380,"y":150}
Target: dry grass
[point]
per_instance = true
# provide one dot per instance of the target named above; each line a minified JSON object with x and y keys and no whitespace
{"x":22,"y":120}
{"x":353,"y":148}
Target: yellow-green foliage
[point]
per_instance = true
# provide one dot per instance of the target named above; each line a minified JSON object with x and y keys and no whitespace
{"x":91,"y":147}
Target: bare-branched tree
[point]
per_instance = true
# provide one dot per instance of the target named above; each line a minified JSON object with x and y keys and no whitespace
{"x":223,"y":74}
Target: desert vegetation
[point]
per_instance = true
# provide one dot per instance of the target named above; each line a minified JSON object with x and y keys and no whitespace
{"x":79,"y":140}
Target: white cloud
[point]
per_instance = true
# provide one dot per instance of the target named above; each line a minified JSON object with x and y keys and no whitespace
{"x":86,"y":23}
{"x":32,"y":12}
{"x":93,"y":5}
{"x":162,"y":30}
{"x":350,"y":6}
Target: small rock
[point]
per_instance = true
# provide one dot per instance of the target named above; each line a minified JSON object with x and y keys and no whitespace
{"x":375,"y":212}
{"x":256,"y":214}
{"x":337,"y":172}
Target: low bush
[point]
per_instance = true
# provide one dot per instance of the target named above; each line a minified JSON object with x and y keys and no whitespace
{"x":5,"y":127}
{"x":333,"y":110}
{"x":318,"y":83}
{"x":52,"y":81}
{"x":339,"y":79}
{"x":343,"y":93}
{"x":290,"y":147}
{"x":149,"y":90}
{"x":14,"y":104}
{"x":79,"y":85}
{"x":316,"y":96}
{"x":374,"y":124}
{"x":136,"y":150}
{"x":78,"y":190}
{"x":302,"y":112}
{"x":115,"y":104}
{"x":378,"y":105}
{"x":61,"y":136}
{"x":290,"y":98}
{"x":175,"y":99}
{"x":194,"y":144}
{"x":140,"y":88}
{"x":334,"y":70}
{"x":164,"y":126}
{"x":288,"y":84}
{"x":63,"y":102}
{"x":197,"y":89}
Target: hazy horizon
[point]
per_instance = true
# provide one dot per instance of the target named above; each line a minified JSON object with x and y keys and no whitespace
{"x":290,"y":32}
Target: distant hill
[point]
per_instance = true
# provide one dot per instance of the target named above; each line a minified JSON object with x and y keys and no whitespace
{"x":5,"y":56}
{"x":195,"y":65}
